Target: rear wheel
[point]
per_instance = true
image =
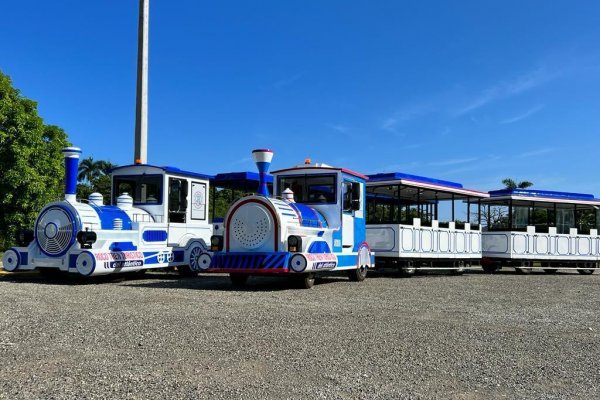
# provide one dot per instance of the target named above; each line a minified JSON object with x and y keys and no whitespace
{"x":238,"y":280}
{"x":358,"y":274}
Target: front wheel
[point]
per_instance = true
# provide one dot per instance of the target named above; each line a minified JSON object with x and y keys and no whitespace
{"x":358,"y":274}
{"x":306,"y":281}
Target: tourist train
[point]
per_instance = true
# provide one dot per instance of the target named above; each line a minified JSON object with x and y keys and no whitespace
{"x":159,"y":218}
{"x":321,"y":219}
{"x":316,"y":223}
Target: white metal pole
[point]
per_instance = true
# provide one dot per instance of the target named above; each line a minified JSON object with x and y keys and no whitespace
{"x":141,"y":103}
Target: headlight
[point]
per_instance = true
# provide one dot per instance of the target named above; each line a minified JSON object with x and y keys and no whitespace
{"x":86,"y":239}
{"x":294,"y":244}
{"x":24,"y":237}
{"x":216,"y":243}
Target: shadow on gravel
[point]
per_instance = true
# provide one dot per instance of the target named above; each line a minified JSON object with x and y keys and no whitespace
{"x":223,"y":283}
{"x":68,"y":279}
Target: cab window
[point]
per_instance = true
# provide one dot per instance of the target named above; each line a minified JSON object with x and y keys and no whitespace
{"x":310,"y":189}
{"x":144,"y":189}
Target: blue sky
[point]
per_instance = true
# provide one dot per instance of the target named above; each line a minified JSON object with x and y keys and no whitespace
{"x":470,"y":91}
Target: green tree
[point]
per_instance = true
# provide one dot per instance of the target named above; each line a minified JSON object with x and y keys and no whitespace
{"x":512,"y":184}
{"x":93,"y":176}
{"x":31,"y":162}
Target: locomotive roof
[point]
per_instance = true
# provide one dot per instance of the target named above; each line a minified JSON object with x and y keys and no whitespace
{"x":170,"y":170}
{"x":239,"y":180}
{"x":424,"y":183}
{"x":321,"y":166}
{"x":546,"y":196}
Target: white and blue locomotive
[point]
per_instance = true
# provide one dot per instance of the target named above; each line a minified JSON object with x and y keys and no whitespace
{"x":159,"y":219}
{"x":315,"y":224}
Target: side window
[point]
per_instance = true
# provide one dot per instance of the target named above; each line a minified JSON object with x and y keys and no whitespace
{"x":351,"y":196}
{"x":347,"y":206}
{"x":178,"y":191}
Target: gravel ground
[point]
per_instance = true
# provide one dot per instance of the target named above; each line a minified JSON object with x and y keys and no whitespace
{"x":158,"y":336}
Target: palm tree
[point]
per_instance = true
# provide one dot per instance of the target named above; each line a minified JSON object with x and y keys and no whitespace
{"x":106,"y":166}
{"x":512,"y":184}
{"x":89,"y":170}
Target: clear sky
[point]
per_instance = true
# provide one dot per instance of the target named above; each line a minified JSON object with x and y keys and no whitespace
{"x":469,"y":91}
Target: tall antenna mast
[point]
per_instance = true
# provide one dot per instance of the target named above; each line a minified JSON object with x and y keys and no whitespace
{"x":141,"y":101}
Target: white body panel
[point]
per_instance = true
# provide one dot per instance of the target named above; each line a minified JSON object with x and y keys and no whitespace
{"x":423,"y":242}
{"x":550,"y":246}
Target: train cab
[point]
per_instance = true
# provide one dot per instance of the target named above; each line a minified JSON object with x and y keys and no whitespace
{"x":315,"y":223}
{"x":156,"y":217}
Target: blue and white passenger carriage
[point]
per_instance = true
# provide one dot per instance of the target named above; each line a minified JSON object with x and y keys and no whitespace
{"x":316,"y":223}
{"x":551,"y":229}
{"x":405,"y":227}
{"x":159,"y":218}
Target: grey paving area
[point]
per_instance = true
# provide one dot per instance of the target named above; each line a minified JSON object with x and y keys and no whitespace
{"x":158,"y":336}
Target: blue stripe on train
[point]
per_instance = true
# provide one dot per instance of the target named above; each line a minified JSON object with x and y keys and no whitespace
{"x":251,"y":260}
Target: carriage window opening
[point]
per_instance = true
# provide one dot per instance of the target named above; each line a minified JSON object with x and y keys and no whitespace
{"x":309,"y":189}
{"x":178,"y":193}
{"x":144,"y":189}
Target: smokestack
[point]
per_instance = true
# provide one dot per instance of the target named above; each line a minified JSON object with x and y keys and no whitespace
{"x":71,"y":155}
{"x":262,"y":158}
{"x":141,"y":101}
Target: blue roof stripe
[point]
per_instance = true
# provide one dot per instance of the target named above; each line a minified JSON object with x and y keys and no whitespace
{"x":543,"y":193}
{"x":391,"y":176}
{"x":171,"y":170}
{"x":241,"y":176}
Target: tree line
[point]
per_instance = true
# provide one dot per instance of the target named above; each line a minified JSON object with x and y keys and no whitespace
{"x":31,"y":163}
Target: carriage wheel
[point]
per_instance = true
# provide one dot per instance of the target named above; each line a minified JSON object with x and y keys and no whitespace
{"x":591,"y":267}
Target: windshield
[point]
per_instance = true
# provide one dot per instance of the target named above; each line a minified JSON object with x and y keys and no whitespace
{"x":309,"y":189}
{"x":145,"y":189}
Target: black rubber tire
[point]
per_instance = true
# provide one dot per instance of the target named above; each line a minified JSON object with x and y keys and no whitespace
{"x":186,"y":271}
{"x":306,"y":281}
{"x":586,"y":271}
{"x":358,"y":274}
{"x":238,"y":280}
